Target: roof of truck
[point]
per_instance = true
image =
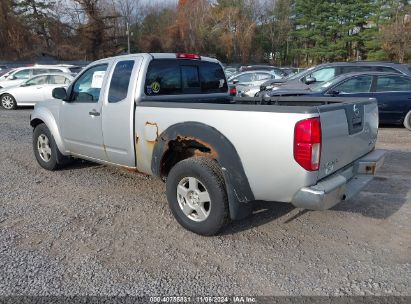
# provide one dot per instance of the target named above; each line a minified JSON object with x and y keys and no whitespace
{"x":159,"y":56}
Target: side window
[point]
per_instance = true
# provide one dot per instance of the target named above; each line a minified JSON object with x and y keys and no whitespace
{"x":40,"y":71}
{"x":360,"y":84}
{"x":54,"y":71}
{"x":245,"y":77}
{"x":393,"y":84}
{"x":387,"y":69}
{"x":163,"y":78}
{"x":23,"y":74}
{"x":262,"y":76}
{"x":37,"y":81}
{"x":57,"y":79}
{"x":212,"y":78}
{"x":87,"y":88}
{"x":75,"y":70}
{"x":324,"y":74}
{"x":351,"y":69}
{"x":120,"y":81}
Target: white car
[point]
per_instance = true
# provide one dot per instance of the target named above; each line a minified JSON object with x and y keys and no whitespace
{"x":20,"y":75}
{"x":33,"y":90}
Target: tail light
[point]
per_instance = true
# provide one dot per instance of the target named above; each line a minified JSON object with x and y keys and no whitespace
{"x":188,"y":56}
{"x":233,"y":91}
{"x":307,"y":143}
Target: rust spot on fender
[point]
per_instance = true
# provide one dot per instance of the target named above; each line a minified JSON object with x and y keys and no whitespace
{"x":201,"y":148}
{"x":183,"y":147}
{"x":149,"y":123}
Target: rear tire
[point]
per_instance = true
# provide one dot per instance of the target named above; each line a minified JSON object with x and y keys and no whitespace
{"x":197,"y":195}
{"x":45,"y":149}
{"x":407,"y":121}
{"x":8,"y":102}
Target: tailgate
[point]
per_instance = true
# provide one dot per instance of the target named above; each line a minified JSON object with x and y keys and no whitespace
{"x":349,"y":131}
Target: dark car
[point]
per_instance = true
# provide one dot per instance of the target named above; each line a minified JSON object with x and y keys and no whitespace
{"x":326,"y":71}
{"x":392,"y":91}
{"x":291,"y":71}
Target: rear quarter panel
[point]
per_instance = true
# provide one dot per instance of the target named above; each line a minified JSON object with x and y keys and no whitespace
{"x":263,"y":140}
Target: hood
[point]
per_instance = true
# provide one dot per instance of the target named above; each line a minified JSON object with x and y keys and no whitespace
{"x":11,"y":83}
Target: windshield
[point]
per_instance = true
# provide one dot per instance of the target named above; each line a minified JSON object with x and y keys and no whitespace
{"x":321,"y":86}
{"x":300,"y":74}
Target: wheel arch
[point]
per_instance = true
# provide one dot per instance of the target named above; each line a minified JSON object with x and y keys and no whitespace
{"x":44,"y":116}
{"x":190,"y":139}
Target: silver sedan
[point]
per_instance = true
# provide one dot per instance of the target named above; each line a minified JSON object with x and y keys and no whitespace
{"x":33,"y":90}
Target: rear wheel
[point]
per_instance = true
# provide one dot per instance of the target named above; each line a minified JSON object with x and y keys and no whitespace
{"x":197,"y":196}
{"x":8,"y":102}
{"x":407,"y":121}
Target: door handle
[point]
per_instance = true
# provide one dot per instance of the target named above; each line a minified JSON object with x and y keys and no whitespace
{"x":94,"y":113}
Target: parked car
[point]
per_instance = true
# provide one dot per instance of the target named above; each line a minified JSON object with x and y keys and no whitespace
{"x":33,"y":90}
{"x":280,"y":73}
{"x":170,"y":115}
{"x":327,"y":71}
{"x":5,"y":71}
{"x":3,"y":67}
{"x":249,"y":91}
{"x":392,"y":91}
{"x":250,"y":78}
{"x":290,"y":70}
{"x":19,"y":75}
{"x":229,"y":71}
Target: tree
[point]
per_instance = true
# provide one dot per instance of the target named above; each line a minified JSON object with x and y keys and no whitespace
{"x":38,"y":16}
{"x":396,"y":36}
{"x":277,"y":28}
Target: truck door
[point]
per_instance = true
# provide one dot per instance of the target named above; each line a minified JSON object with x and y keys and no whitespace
{"x":80,"y":118}
{"x":118,"y":112}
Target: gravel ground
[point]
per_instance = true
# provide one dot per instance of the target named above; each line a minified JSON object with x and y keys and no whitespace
{"x":96,"y":230}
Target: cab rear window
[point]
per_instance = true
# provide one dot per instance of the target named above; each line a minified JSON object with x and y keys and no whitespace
{"x":176,"y":77}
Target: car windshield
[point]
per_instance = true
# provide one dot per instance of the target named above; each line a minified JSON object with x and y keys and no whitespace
{"x":300,"y":74}
{"x":322,"y":86}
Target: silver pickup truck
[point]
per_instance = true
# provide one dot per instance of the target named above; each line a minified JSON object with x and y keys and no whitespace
{"x":170,"y":115}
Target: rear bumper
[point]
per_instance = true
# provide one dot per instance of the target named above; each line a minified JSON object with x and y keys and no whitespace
{"x":340,"y":186}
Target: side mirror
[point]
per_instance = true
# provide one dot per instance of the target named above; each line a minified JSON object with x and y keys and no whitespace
{"x":310,"y":80}
{"x":236,"y":81}
{"x":11,"y":77}
{"x":59,"y":93}
{"x":333,"y":93}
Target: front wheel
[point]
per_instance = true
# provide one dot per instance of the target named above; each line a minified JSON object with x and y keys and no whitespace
{"x":8,"y":102}
{"x":407,"y":121}
{"x":45,"y":149}
{"x":197,"y":195}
